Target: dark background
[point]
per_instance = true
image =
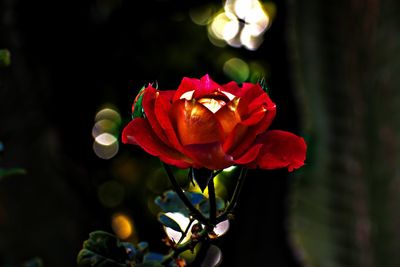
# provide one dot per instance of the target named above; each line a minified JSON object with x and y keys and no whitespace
{"x":330,"y":69}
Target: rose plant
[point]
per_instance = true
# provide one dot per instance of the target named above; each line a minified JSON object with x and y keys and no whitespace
{"x":205,"y":127}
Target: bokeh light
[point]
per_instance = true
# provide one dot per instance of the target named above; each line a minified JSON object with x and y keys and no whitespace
{"x":213,"y":257}
{"x":122,"y":226}
{"x":236,"y":69}
{"x":108,"y":114}
{"x":104,"y":126}
{"x":111,"y":193}
{"x":221,"y":228}
{"x":105,"y":149}
{"x":241,"y":23}
{"x":105,"y":133}
{"x":183,"y":222}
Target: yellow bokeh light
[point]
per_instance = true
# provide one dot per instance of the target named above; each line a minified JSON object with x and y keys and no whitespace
{"x":250,"y":41}
{"x":108,"y":114}
{"x":104,"y":126}
{"x":105,"y":150}
{"x":243,"y":7}
{"x":122,"y":226}
{"x":224,"y":26}
{"x":242,"y":23}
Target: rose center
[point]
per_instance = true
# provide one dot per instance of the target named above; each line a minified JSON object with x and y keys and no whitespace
{"x":212,"y":104}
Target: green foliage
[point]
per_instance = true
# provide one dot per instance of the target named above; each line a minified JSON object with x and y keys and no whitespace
{"x":170,"y":201}
{"x":347,"y":199}
{"x":201,"y":176}
{"x":103,"y":249}
{"x":168,"y":222}
{"x":204,"y":206}
{"x":138,"y":111}
{"x":263,"y":83}
{"x":5,"y":57}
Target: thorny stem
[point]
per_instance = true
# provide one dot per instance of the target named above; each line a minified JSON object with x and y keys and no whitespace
{"x":213,"y":220}
{"x":201,"y":236}
{"x":195,"y":212}
{"x":235,"y":196}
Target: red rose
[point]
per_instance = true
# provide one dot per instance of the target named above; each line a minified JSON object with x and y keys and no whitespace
{"x":206,"y":125}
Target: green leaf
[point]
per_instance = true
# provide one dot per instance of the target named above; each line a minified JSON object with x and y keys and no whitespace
{"x":103,"y":250}
{"x":170,"y":201}
{"x":138,"y":111}
{"x":204,"y":206}
{"x":152,"y":256}
{"x":263,"y":83}
{"x":201,"y":176}
{"x":168,"y":222}
{"x":5,"y":57}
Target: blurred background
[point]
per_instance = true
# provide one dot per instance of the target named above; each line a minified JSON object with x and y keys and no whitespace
{"x":76,"y":66}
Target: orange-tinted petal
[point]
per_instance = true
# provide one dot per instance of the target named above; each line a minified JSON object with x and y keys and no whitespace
{"x":230,"y":115}
{"x":139,"y":132}
{"x":194,"y":123}
{"x":280,"y":149}
{"x":210,"y":156}
{"x":235,"y":137}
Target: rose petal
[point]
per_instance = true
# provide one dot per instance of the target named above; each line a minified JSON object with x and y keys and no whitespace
{"x":232,"y":87}
{"x":207,"y":87}
{"x":230,"y":114}
{"x":280,"y":149}
{"x":202,"y":87}
{"x":187,"y":84}
{"x":239,"y":148}
{"x":139,"y":132}
{"x":210,"y":156}
{"x":162,"y":108}
{"x":236,"y":135}
{"x":167,"y":94}
{"x":194,"y":123}
{"x":149,"y":99}
{"x":250,"y":155}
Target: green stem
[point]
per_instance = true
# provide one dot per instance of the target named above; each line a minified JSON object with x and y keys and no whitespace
{"x":203,"y":235}
{"x":213,"y":202}
{"x":233,"y":202}
{"x":194,"y":212}
{"x":186,"y":231}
